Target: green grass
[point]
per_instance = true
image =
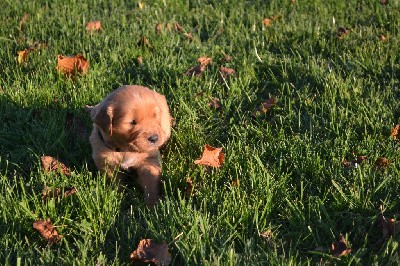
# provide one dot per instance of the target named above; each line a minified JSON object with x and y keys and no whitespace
{"x":335,"y":97}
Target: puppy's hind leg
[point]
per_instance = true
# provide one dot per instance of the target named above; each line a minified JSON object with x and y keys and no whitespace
{"x":149,"y":178}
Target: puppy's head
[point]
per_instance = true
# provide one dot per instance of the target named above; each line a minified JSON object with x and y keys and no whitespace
{"x":134,"y":118}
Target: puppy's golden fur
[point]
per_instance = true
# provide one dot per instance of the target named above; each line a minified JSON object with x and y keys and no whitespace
{"x":130,"y":125}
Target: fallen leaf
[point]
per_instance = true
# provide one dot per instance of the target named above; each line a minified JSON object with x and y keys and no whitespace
{"x":265,"y":106}
{"x":339,"y":248}
{"x":75,"y":126}
{"x":235,"y":182}
{"x":188,"y":36}
{"x":159,"y":27}
{"x":47,"y":231}
{"x":382,"y":37}
{"x":267,"y":234}
{"x":384,"y":2}
{"x":140,"y":60}
{"x":382,"y":162}
{"x":204,"y":60}
{"x":178,"y":27}
{"x":342,"y":32}
{"x":226,"y":72}
{"x":354,"y":163}
{"x":150,"y":252}
{"x":23,"y":55}
{"x":70,"y":65}
{"x":144,"y":42}
{"x":213,"y":157}
{"x":215,"y":103}
{"x":395,"y":132}
{"x":93,"y":26}
{"x":51,"y":193}
{"x":227,"y":58}
{"x":50,"y":164}
{"x":267,"y":22}
{"x":195,"y":71}
{"x":22,"y":23}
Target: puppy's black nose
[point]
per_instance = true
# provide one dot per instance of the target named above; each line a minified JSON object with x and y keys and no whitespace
{"x":153,"y":138}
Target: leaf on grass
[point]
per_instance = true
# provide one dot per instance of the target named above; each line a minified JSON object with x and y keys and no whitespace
{"x":51,"y":193}
{"x":226,"y":72}
{"x":144,"y":42}
{"x":382,"y":37}
{"x":22,"y":23}
{"x":384,"y":2}
{"x":204,"y":60}
{"x":23,"y":56}
{"x":342,"y":32}
{"x":198,"y":69}
{"x":93,"y":26}
{"x":159,"y":27}
{"x":354,"y":163}
{"x":265,"y":106}
{"x":339,"y":248}
{"x":235,"y":182}
{"x":51,"y":164}
{"x":47,"y":231}
{"x":382,"y":162}
{"x":75,"y":126}
{"x":148,"y":251}
{"x":395,"y":132}
{"x":213,"y":157}
{"x":266,"y":235}
{"x":178,"y":27}
{"x":71,"y":65}
{"x":227,"y":58}
{"x":215,"y":103}
{"x":267,"y":22}
{"x":188,"y":36}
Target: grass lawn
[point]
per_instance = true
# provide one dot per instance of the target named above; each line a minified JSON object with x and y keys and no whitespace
{"x":293,"y":179}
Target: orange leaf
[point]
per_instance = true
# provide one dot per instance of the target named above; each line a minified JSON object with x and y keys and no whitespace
{"x":70,"y":65}
{"x":93,"y":26}
{"x":204,"y":60}
{"x":226,"y":72}
{"x":150,"y":252}
{"x":49,"y":193}
{"x":47,"y":231}
{"x":23,"y":56}
{"x":159,"y":27}
{"x":395,"y":131}
{"x":382,"y":37}
{"x":267,"y":22}
{"x":215,"y":103}
{"x":339,"y":248}
{"x":213,"y":157}
{"x":50,"y":164}
{"x":178,"y":27}
{"x":195,"y":71}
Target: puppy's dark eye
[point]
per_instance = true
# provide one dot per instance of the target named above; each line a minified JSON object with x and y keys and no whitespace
{"x":133,"y":122}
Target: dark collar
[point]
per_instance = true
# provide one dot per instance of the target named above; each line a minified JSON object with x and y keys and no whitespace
{"x":105,"y":143}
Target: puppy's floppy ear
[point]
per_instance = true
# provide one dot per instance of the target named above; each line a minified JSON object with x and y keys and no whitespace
{"x":165,"y":116}
{"x":102,"y":116}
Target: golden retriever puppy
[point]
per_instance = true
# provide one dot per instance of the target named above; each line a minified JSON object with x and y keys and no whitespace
{"x":130,"y":125}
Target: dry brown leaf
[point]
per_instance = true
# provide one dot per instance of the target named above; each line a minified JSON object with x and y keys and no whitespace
{"x":23,"y":55}
{"x":267,"y":234}
{"x":215,"y":103}
{"x":384,"y":2}
{"x":195,"y":71}
{"x":144,"y":42}
{"x":71,"y":65}
{"x":188,"y":36}
{"x":50,"y":164}
{"x":159,"y":27}
{"x":178,"y":27}
{"x":51,"y":193}
{"x":226,"y":72}
{"x":267,"y":22}
{"x":235,"y":182}
{"x":148,"y":251}
{"x":382,"y":162}
{"x":47,"y":231}
{"x":342,"y":32}
{"x":395,"y":132}
{"x":227,"y":58}
{"x":93,"y":26}
{"x":382,"y":37}
{"x":266,"y":106}
{"x":213,"y":157}
{"x":339,"y":248}
{"x":204,"y":60}
{"x":140,"y":60}
{"x":354,"y":163}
